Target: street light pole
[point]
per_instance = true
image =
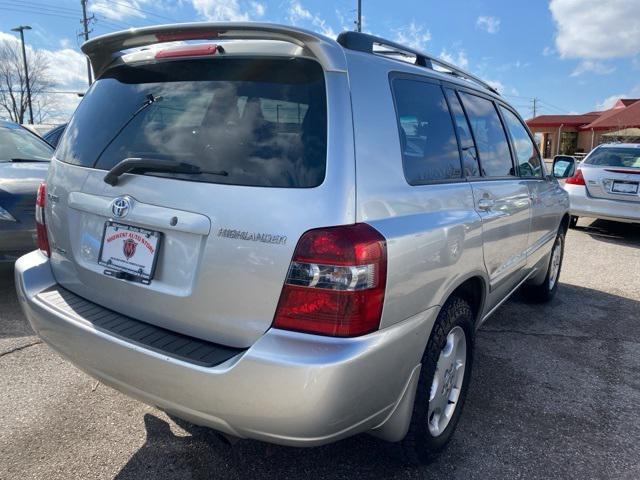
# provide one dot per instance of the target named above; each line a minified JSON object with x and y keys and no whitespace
{"x":359,"y":21}
{"x":21,"y":29}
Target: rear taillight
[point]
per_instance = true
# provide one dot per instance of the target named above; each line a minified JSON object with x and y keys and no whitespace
{"x":336,"y":282}
{"x":41,"y":227}
{"x":577,"y":178}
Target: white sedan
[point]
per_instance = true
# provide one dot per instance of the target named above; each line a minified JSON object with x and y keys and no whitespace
{"x":605,"y":185}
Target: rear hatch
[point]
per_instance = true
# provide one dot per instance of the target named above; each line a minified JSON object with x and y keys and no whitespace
{"x":202,"y":250}
{"x":613,"y":173}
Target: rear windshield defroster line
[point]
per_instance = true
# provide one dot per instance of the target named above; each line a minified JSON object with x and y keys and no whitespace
{"x":261,"y":120}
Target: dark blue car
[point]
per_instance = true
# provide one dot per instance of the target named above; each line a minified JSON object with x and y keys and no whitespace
{"x":24,"y":161}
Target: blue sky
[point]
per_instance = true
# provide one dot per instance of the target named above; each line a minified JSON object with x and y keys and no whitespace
{"x":572,"y":55}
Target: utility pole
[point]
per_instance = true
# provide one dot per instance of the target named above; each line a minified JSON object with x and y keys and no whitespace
{"x":359,"y":20}
{"x":21,"y":29}
{"x":85,"y":24}
{"x":535,"y":106}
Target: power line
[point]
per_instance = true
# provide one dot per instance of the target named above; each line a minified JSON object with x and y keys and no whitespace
{"x":554,"y":107}
{"x":137,"y":9}
{"x":37,"y":12}
{"x":41,"y":6}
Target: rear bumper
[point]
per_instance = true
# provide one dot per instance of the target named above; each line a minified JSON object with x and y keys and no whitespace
{"x":15,"y":242}
{"x":583,"y":205}
{"x":288,"y":388}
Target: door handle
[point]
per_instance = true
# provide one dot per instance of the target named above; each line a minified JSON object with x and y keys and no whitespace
{"x":486,"y":204}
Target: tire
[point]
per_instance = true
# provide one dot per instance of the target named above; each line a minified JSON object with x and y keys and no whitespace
{"x":573,"y":221}
{"x":455,"y":319}
{"x":546,"y":290}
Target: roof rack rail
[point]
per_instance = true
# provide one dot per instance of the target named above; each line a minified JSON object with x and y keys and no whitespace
{"x":363,"y":42}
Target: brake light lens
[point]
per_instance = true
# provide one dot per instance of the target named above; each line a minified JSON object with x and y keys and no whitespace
{"x":577,"y":179}
{"x":336,"y":282}
{"x":41,"y":227}
{"x":187,"y":51}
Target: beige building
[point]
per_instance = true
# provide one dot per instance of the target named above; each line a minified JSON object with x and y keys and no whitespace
{"x":570,"y":134}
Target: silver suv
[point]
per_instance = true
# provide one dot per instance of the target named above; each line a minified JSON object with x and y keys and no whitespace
{"x":286,"y":237}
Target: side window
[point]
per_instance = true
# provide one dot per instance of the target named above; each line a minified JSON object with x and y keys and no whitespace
{"x":529,"y":164}
{"x":429,"y":146}
{"x":469,"y":153}
{"x":491,"y":139}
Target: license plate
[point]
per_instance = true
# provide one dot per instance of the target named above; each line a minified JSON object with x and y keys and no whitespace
{"x":624,"y":187}
{"x":131,"y":250}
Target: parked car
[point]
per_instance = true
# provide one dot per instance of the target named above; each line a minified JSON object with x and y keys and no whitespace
{"x":24,"y":161}
{"x":289,"y":241}
{"x":53,"y":136}
{"x":605,"y":184}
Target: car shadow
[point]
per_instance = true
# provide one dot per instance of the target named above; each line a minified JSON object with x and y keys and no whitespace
{"x":529,"y":359}
{"x":612,"y":232}
{"x":202,"y":453}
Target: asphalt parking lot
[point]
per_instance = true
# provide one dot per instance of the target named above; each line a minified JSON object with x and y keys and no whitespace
{"x":555,"y":394}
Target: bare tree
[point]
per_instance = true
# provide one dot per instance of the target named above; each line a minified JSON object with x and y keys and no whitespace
{"x":13,"y":85}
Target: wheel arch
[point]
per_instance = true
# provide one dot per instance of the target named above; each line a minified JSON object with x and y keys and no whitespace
{"x":474,"y":289}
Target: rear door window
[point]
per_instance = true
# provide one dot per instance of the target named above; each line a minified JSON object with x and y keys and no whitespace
{"x":428,"y":141}
{"x":468,"y":148}
{"x":262,"y":122}
{"x":529,"y":163}
{"x":491,"y":139}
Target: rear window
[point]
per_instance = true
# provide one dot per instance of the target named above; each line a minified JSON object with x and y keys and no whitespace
{"x":615,"y":157}
{"x":17,"y":143}
{"x":263,"y":122}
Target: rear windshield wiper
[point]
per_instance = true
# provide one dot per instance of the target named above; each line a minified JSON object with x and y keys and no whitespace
{"x":153,"y":165}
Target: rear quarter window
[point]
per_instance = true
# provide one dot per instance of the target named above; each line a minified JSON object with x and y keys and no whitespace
{"x":263,"y":122}
{"x":427,"y":138}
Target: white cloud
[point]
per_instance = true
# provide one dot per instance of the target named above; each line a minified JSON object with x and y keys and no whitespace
{"x":414,"y":36}
{"x":608,"y":102}
{"x":488,"y":24}
{"x":258,"y":9}
{"x":548,"y":51}
{"x":612,"y":99}
{"x":67,"y":68}
{"x":221,"y":10}
{"x":297,"y":14}
{"x":459,"y":59}
{"x":591,"y":66}
{"x":594,"y":29}
{"x":117,"y":11}
{"x":67,"y":71}
{"x":499,"y":86}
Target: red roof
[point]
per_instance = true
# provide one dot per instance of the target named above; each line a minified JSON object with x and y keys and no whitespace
{"x":619,"y":118}
{"x":565,"y":120}
{"x":625,"y":113}
{"x":625,"y":102}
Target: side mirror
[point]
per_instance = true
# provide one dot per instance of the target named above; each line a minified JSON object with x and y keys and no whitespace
{"x":564,"y":166}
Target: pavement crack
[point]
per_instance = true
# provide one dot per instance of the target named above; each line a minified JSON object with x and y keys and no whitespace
{"x":22,"y":347}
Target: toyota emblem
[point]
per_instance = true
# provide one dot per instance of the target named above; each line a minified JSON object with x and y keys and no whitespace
{"x":120,"y":207}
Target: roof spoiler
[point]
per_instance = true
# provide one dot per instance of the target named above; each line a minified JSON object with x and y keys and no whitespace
{"x":103,"y":50}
